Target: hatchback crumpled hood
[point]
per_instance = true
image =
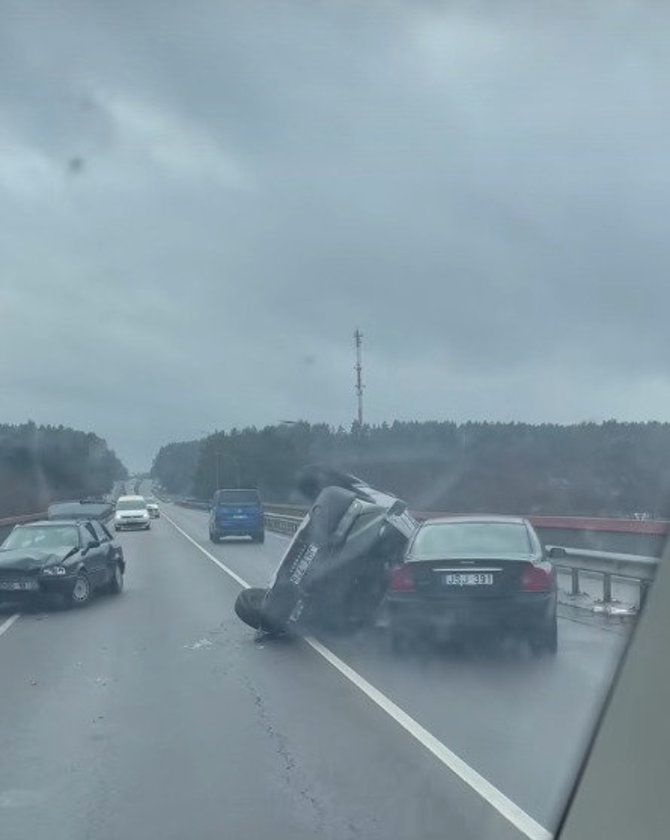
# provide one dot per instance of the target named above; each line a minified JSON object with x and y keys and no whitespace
{"x":30,"y":559}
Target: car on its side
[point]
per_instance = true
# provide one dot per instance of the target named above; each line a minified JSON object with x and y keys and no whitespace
{"x":236,"y":513}
{"x":152,"y":507}
{"x":467,"y":575}
{"x":131,"y":512}
{"x":81,"y":509}
{"x":67,"y":560}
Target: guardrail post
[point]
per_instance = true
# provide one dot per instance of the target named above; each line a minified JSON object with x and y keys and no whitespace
{"x":644,"y":591}
{"x":607,"y":588}
{"x":574,"y":575}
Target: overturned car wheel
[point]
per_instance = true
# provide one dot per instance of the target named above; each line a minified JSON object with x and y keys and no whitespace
{"x":248,"y":606}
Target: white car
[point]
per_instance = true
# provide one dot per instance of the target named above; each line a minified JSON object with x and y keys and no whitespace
{"x":152,"y":507}
{"x":131,"y":512}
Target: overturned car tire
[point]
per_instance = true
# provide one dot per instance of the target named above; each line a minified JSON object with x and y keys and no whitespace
{"x":249,"y":607}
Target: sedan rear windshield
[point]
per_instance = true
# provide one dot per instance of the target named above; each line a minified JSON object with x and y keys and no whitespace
{"x":131,"y":504}
{"x":471,"y":538}
{"x":46,"y":537}
{"x":237,"y":497}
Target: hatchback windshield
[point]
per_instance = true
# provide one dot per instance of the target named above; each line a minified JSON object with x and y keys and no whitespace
{"x":131,"y":504}
{"x":47,"y":537}
{"x":475,"y":538}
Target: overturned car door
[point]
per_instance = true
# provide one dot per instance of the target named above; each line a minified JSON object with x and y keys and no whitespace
{"x":335,"y":571}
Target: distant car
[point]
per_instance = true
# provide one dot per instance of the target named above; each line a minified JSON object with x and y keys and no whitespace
{"x":131,"y":512}
{"x":81,"y":509}
{"x":236,"y":513}
{"x":152,"y":507}
{"x":68,"y":560}
{"x":470,"y":574}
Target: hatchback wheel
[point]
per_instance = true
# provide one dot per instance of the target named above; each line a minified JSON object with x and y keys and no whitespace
{"x":81,"y":591}
{"x":116,"y":583}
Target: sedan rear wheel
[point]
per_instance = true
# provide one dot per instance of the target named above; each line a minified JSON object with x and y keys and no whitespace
{"x":545,"y":639}
{"x":81,"y":591}
{"x":400,"y":641}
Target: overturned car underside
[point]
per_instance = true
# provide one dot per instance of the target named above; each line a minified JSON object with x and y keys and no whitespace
{"x":335,"y":571}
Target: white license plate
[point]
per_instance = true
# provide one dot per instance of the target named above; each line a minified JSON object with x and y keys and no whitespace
{"x":18,"y":585}
{"x":468,"y":579}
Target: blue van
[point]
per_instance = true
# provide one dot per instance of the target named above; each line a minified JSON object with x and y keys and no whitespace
{"x":236,"y":513}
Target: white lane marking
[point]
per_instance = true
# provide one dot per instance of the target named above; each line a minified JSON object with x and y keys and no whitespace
{"x":4,"y":627}
{"x":496,"y":798}
{"x":508,"y":809}
{"x":214,"y":559}
{"x":268,"y":532}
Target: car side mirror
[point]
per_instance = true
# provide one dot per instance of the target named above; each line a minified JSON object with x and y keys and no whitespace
{"x":557,"y":552}
{"x":92,"y":544}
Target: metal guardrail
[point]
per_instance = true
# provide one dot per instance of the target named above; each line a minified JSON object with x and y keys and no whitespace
{"x":17,"y":520}
{"x":631,"y":567}
{"x":286,"y":519}
{"x":197,"y":504}
{"x":282,"y":524}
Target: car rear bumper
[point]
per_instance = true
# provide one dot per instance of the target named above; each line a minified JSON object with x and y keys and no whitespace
{"x":237,"y":528}
{"x":129,"y":526}
{"x":523,"y":612}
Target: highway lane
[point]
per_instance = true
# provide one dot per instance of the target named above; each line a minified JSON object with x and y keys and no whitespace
{"x":521,"y":723}
{"x":154,"y":715}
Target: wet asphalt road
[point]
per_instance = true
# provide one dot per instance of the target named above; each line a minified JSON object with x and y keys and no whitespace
{"x":155,"y":715}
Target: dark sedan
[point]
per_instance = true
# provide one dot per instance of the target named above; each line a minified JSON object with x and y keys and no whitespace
{"x":62,"y":560}
{"x":471,"y":574}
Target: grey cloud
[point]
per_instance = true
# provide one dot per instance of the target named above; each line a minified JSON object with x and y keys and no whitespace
{"x":483,"y":189}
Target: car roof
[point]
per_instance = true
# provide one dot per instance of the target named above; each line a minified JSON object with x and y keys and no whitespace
{"x":476,"y":517}
{"x":78,"y":509}
{"x":56,"y":523}
{"x":133,"y":498}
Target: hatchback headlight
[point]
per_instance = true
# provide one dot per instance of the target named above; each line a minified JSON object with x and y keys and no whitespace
{"x":55,"y":571}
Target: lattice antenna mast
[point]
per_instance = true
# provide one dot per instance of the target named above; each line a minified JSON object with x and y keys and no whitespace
{"x":358,"y":336}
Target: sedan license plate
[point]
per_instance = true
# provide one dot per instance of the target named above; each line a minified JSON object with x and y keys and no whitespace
{"x":468,"y":579}
{"x":18,"y":585}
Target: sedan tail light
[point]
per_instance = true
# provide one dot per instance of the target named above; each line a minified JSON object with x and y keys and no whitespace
{"x":401,"y":579}
{"x":536,"y":578}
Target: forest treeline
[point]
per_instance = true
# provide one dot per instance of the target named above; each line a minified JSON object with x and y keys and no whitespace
{"x":42,"y":464}
{"x":599,"y":469}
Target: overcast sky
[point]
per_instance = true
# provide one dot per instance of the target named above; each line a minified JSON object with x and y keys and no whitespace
{"x":201,"y":201}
